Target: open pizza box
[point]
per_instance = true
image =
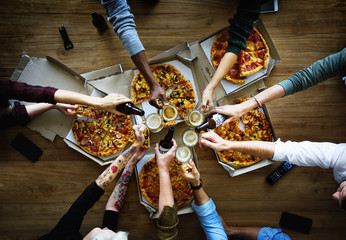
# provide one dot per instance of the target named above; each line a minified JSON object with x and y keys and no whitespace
{"x":155,"y":138}
{"x":249,"y":91}
{"x":201,"y":49}
{"x":50,"y":72}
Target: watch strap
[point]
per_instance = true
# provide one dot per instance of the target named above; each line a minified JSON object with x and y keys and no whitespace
{"x":198,"y":187}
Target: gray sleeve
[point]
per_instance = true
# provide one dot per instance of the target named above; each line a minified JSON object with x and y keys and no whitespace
{"x":320,"y":71}
{"x":119,"y":15}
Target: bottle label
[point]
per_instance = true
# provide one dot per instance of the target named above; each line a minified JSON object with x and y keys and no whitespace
{"x":219,"y":119}
{"x":163,"y":150}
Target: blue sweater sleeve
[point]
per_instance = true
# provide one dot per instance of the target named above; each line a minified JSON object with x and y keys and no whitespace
{"x":320,"y":71}
{"x":210,"y":220}
{"x":119,"y":15}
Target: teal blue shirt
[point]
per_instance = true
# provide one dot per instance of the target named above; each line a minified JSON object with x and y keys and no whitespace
{"x":331,"y":66}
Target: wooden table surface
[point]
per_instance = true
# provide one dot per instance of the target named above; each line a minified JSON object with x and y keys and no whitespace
{"x":34,"y":196}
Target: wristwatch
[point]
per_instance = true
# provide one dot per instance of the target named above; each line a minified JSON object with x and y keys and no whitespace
{"x":198,"y":187}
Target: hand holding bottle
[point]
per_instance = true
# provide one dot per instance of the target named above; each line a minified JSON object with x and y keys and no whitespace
{"x":164,"y":159}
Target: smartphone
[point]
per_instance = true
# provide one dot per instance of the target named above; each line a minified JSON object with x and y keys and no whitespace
{"x":26,"y":147}
{"x":295,"y":222}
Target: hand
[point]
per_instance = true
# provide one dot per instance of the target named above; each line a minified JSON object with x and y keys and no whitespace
{"x":190,"y":173}
{"x":157,"y":93}
{"x":139,"y":134}
{"x":67,"y":109}
{"x":207,"y":99}
{"x":140,"y":154}
{"x":233,"y":111}
{"x":164,"y":159}
{"x":214,"y":141}
{"x":112,"y":100}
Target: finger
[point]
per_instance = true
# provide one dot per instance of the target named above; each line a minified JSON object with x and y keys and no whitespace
{"x":228,"y":120}
{"x":209,"y":144}
{"x":157,"y":151}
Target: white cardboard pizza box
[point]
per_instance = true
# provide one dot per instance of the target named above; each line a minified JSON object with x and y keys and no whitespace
{"x":155,"y":138}
{"x":50,"y":72}
{"x":201,"y":50}
{"x":229,"y":99}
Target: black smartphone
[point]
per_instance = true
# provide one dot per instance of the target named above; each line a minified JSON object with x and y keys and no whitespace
{"x":26,"y":147}
{"x":295,"y":222}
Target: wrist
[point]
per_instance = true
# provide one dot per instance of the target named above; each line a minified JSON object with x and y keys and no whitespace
{"x":196,"y":184}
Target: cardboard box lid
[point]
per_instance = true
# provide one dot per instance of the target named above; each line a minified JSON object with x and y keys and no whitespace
{"x":208,"y":70}
{"x":49,"y":72}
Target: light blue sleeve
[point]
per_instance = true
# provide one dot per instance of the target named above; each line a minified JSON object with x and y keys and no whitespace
{"x":320,"y":71}
{"x":119,"y":15}
{"x":210,"y":220}
{"x":267,"y":233}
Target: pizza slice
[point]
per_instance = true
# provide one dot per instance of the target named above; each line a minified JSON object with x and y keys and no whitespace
{"x":183,"y":105}
{"x":233,"y":75}
{"x":140,"y":90}
{"x":249,"y":63}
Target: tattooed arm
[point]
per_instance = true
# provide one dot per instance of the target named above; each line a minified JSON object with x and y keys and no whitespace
{"x":116,"y":200}
{"x":118,"y":164}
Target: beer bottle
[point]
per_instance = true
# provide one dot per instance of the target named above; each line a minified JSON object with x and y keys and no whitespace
{"x":129,"y":108}
{"x":99,"y":22}
{"x":212,"y":122}
{"x":166,"y":143}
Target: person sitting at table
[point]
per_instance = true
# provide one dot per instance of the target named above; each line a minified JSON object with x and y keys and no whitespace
{"x":331,"y":66}
{"x":46,"y":98}
{"x":69,"y":225}
{"x":308,"y":154}
{"x":240,"y":27}
{"x":168,"y":220}
{"x":213,"y":224}
{"x":119,"y":15}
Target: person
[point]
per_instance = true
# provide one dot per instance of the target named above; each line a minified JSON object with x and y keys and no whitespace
{"x":332,"y":65}
{"x":168,"y":220}
{"x":240,"y":27}
{"x":308,"y":154}
{"x":46,"y":98}
{"x":203,"y":204}
{"x":213,"y":225}
{"x":119,"y":15}
{"x":69,"y":225}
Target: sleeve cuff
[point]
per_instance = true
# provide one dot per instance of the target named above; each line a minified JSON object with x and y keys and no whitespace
{"x":205,"y":209}
{"x":131,"y":42}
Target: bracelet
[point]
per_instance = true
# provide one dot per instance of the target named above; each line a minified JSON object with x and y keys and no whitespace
{"x":258,"y":102}
{"x":198,"y":187}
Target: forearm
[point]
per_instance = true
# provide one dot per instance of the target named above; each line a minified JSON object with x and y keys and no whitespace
{"x":257,"y":148}
{"x":200,"y":195}
{"x":141,"y":63}
{"x":263,"y":97}
{"x":166,"y":197}
{"x":117,"y":165}
{"x":116,"y":200}
{"x":65,"y":96}
{"x":36,"y":109}
{"x":226,"y":64}
{"x":249,"y":233}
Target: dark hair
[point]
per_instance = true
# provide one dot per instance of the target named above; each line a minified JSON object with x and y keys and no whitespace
{"x":343,"y":204}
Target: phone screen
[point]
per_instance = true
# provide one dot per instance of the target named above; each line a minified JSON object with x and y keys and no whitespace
{"x":295,"y":222}
{"x":26,"y":147}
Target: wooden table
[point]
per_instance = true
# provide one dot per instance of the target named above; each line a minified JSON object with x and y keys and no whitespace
{"x":34,"y":196}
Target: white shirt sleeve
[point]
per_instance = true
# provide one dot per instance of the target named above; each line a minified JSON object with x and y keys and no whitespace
{"x":311,"y":154}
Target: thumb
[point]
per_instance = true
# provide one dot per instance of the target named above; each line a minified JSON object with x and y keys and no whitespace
{"x":207,"y":143}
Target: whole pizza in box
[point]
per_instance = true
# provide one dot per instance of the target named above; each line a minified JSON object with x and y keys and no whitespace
{"x":102,"y":133}
{"x":150,"y":185}
{"x":257,"y":128}
{"x":179,"y":91}
{"x":254,"y":58}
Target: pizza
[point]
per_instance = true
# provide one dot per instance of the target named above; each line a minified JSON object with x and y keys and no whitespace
{"x":257,"y":128}
{"x":102,"y":133}
{"x":179,"y":90}
{"x":150,"y":186}
{"x":251,"y":60}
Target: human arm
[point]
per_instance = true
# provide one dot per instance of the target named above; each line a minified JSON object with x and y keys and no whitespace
{"x":240,"y":26}
{"x":257,"y":148}
{"x":124,"y":26}
{"x":118,"y":164}
{"x":34,"y":110}
{"x":116,"y":200}
{"x":203,"y":205}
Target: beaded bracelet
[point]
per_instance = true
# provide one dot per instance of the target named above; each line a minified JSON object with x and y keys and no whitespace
{"x":258,"y":102}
